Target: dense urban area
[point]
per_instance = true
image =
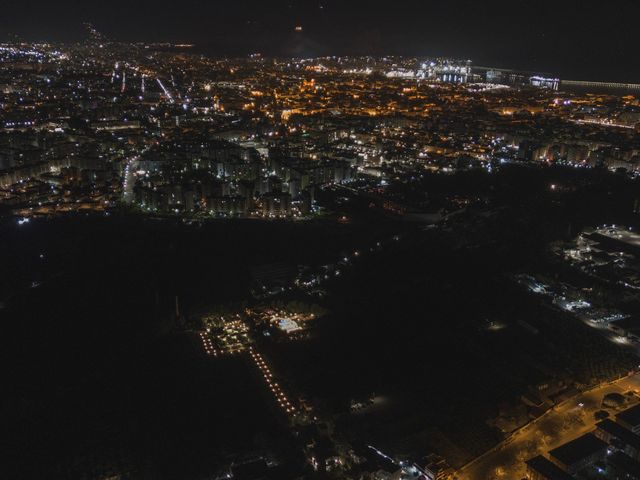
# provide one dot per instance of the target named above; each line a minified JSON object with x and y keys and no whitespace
{"x":355,"y":268}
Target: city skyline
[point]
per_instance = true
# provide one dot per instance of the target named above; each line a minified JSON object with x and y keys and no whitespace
{"x":567,"y":38}
{"x":320,"y":241}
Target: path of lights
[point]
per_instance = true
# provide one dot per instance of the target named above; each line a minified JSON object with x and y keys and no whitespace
{"x":277,"y":392}
{"x":208,"y":346}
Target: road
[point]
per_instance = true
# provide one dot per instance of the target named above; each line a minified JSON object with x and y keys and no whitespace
{"x":559,"y":425}
{"x":129,"y":179}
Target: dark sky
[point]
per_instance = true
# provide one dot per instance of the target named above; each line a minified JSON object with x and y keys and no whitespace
{"x":579,"y":39}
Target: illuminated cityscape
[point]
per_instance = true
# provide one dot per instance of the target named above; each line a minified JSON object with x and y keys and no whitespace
{"x":269,"y":241}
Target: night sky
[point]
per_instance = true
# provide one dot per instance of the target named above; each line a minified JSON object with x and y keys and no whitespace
{"x":574,"y":39}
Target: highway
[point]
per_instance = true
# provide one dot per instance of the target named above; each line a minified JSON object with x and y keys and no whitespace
{"x":129,"y":179}
{"x":129,"y":175}
{"x":561,"y":424}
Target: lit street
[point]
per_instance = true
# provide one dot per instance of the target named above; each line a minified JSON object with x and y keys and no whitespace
{"x":559,"y":425}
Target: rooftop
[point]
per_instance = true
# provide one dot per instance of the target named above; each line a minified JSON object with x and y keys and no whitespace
{"x":576,"y":450}
{"x":625,"y":463}
{"x":631,"y":416}
{"x":547,"y":469}
{"x":618,"y":431}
